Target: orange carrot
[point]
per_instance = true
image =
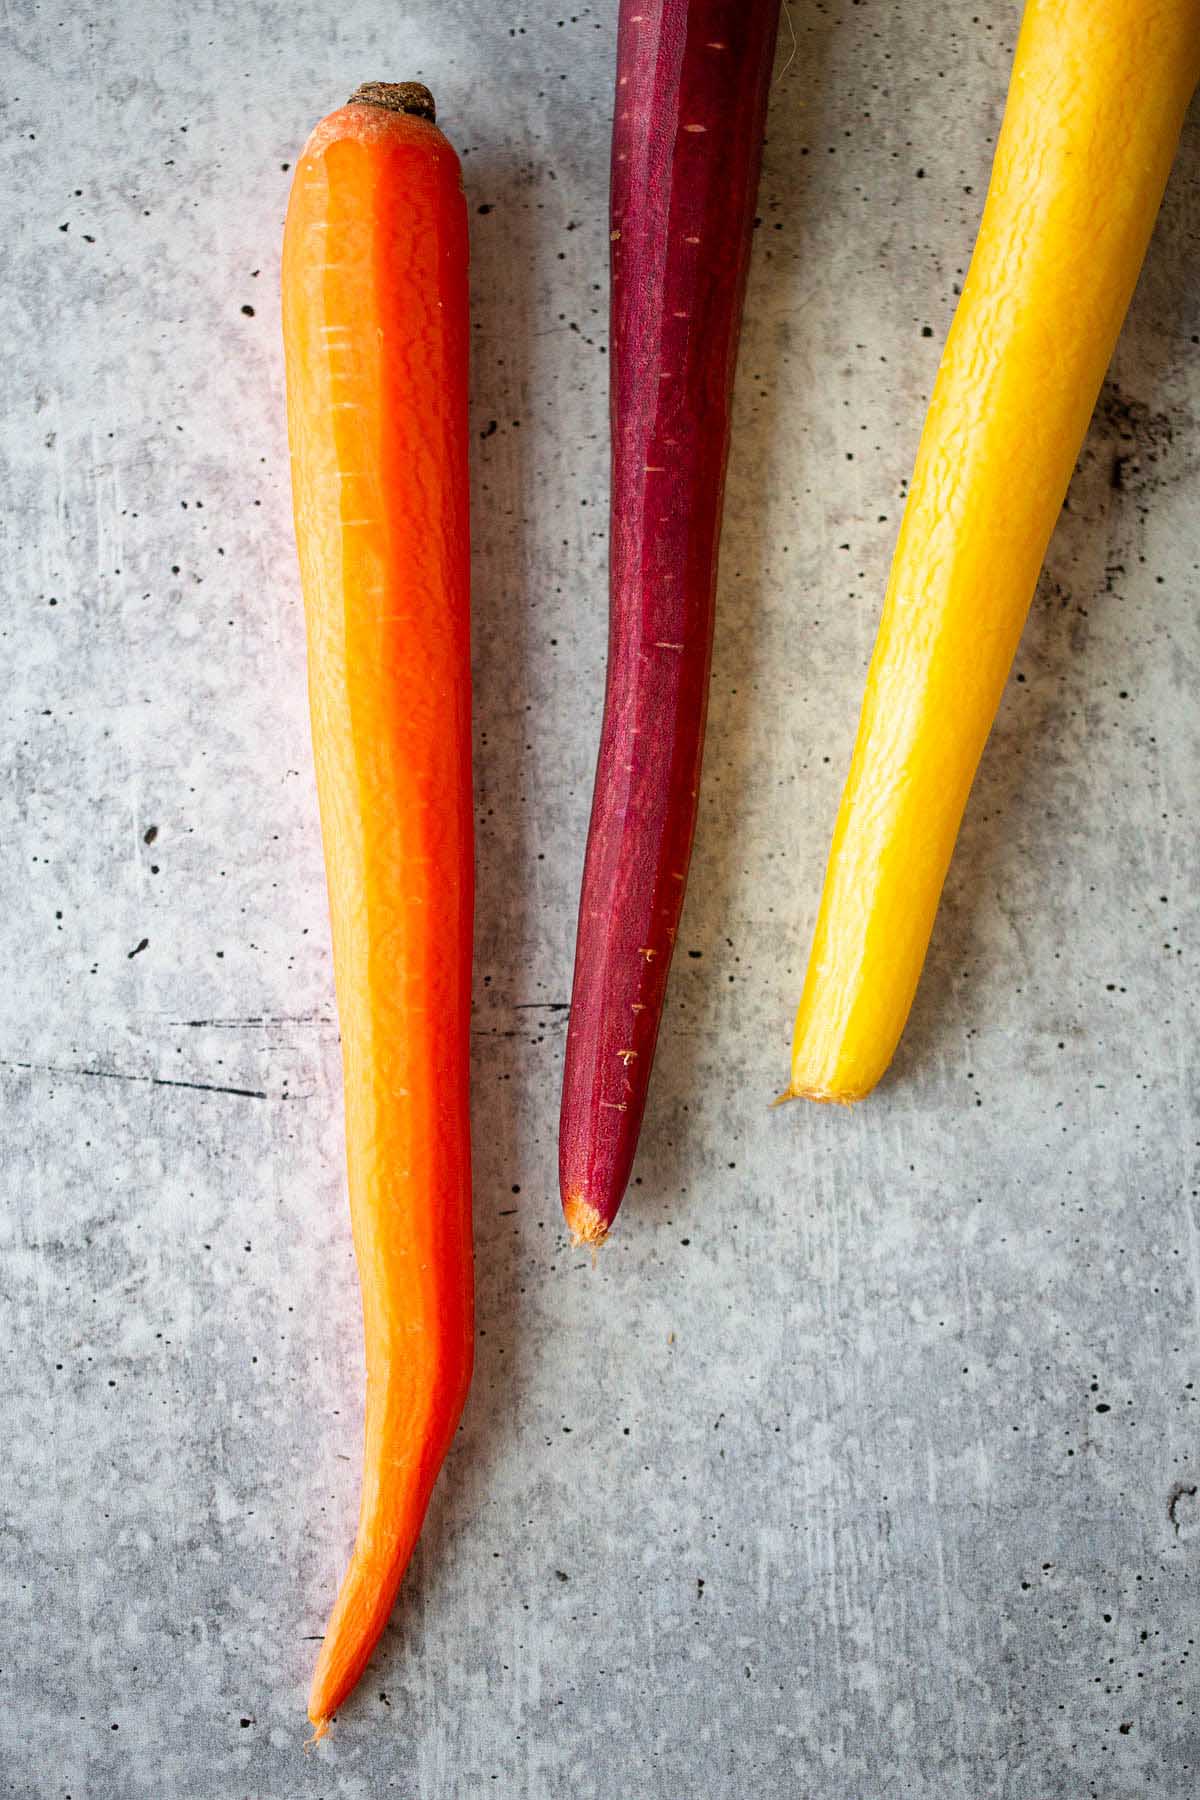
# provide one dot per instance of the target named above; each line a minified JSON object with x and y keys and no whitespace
{"x":375,"y":334}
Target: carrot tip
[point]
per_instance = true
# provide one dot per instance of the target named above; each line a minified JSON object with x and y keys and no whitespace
{"x":320,"y":1727}
{"x":584,"y":1223}
{"x":823,"y":1096}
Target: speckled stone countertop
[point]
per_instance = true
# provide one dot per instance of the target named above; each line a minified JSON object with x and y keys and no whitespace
{"x":865,"y":1462}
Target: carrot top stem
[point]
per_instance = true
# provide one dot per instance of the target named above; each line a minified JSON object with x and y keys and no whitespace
{"x":396,"y":96}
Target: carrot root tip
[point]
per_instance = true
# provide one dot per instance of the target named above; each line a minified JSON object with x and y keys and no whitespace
{"x":823,"y":1096}
{"x":320,"y":1727}
{"x":585,"y":1224}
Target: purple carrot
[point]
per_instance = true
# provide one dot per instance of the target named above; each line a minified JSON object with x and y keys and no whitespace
{"x":692,"y":83}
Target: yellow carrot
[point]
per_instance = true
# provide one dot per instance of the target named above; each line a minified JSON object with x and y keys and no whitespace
{"x":1098,"y":93}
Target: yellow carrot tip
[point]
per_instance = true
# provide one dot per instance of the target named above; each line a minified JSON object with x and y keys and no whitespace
{"x":822,"y":1095}
{"x":320,"y":1727}
{"x":585,"y":1224}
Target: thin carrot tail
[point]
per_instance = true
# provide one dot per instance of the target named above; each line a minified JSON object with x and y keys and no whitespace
{"x":395,"y":1501}
{"x":359,"y":1615}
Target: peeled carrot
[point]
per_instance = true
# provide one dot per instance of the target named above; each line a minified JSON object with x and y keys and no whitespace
{"x":692,"y":80}
{"x":375,"y":332}
{"x":1099,"y":89}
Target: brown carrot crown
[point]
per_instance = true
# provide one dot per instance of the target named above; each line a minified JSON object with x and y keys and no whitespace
{"x":396,"y":96}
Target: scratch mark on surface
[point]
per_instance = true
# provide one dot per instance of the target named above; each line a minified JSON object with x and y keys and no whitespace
{"x":203,"y":1087}
{"x":254,"y":1021}
{"x":1194,"y":1259}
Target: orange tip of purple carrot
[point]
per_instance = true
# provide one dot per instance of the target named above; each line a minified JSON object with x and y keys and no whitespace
{"x":584,"y":1222}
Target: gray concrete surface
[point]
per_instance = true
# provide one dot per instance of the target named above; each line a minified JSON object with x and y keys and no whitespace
{"x":859,"y":1467}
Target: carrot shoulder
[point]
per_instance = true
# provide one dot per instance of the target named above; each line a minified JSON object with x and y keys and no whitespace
{"x":375,"y":329}
{"x":1098,"y":93}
